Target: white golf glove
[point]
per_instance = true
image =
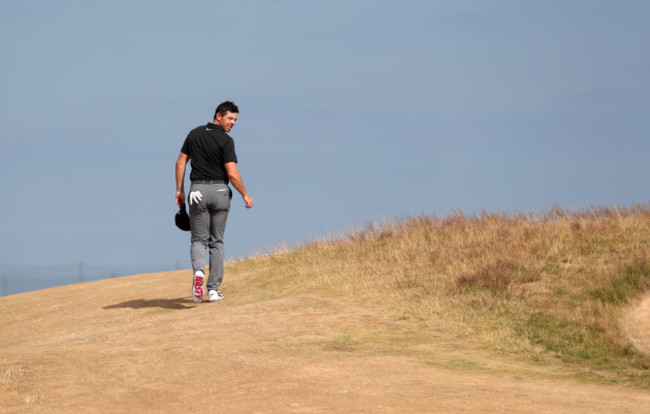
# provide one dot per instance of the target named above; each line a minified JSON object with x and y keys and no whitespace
{"x":195,"y":197}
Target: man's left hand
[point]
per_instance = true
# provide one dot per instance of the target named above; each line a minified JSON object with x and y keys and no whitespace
{"x":180,"y":198}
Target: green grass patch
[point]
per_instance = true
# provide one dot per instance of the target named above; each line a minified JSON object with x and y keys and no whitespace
{"x":626,"y":282}
{"x":572,"y":341}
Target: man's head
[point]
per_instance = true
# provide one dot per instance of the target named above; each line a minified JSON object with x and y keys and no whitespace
{"x":226,"y":115}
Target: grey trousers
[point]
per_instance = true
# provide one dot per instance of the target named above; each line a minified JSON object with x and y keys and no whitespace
{"x":208,"y":218}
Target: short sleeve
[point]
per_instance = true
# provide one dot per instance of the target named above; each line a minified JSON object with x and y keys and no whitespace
{"x":229,"y":152}
{"x":185,"y":149}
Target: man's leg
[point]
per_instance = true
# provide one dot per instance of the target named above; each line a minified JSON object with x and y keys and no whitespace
{"x":218,"y":218}
{"x":217,"y":253}
{"x":200,"y":221}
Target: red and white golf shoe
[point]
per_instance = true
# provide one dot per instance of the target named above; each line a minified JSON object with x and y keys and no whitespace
{"x":197,"y":286}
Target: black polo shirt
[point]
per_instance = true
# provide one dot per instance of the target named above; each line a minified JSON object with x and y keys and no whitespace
{"x":209,"y":148}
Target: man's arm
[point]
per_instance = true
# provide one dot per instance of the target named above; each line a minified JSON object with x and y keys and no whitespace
{"x":235,"y":179}
{"x":181,"y":163}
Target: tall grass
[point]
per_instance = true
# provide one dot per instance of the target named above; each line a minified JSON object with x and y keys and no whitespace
{"x":549,"y":286}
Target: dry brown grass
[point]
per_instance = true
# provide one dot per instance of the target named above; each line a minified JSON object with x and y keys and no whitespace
{"x":493,"y":312}
{"x":548,"y":286}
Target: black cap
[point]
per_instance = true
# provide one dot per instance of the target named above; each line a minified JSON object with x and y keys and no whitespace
{"x":182,"y":220}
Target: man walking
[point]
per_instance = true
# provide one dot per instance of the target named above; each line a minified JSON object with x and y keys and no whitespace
{"x":214,"y":165}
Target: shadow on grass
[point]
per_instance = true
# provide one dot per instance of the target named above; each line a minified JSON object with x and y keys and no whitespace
{"x":178,"y":303}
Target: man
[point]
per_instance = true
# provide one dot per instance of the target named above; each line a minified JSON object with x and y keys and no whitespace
{"x":214,"y":165}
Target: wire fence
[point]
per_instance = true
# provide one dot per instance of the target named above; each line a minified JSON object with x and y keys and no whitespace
{"x":20,"y":279}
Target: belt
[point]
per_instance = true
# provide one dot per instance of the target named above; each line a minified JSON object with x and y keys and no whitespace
{"x":209,"y":182}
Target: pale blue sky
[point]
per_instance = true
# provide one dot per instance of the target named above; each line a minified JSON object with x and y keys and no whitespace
{"x":351,"y":111}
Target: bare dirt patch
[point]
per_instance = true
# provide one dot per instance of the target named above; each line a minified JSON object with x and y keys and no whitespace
{"x":636,"y":324}
{"x":139,"y":344}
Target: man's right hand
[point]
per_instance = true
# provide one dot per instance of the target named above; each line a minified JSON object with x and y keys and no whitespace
{"x":248,"y":200}
{"x":235,"y":179}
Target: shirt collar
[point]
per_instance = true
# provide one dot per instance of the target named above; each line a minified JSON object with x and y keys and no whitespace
{"x":210,"y":125}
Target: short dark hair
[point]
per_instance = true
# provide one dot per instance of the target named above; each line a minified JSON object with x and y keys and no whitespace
{"x":227,"y":106}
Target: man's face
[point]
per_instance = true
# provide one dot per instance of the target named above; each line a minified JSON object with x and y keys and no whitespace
{"x":226,"y":121}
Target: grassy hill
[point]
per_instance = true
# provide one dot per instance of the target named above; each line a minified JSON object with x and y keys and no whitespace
{"x":506,"y":313}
